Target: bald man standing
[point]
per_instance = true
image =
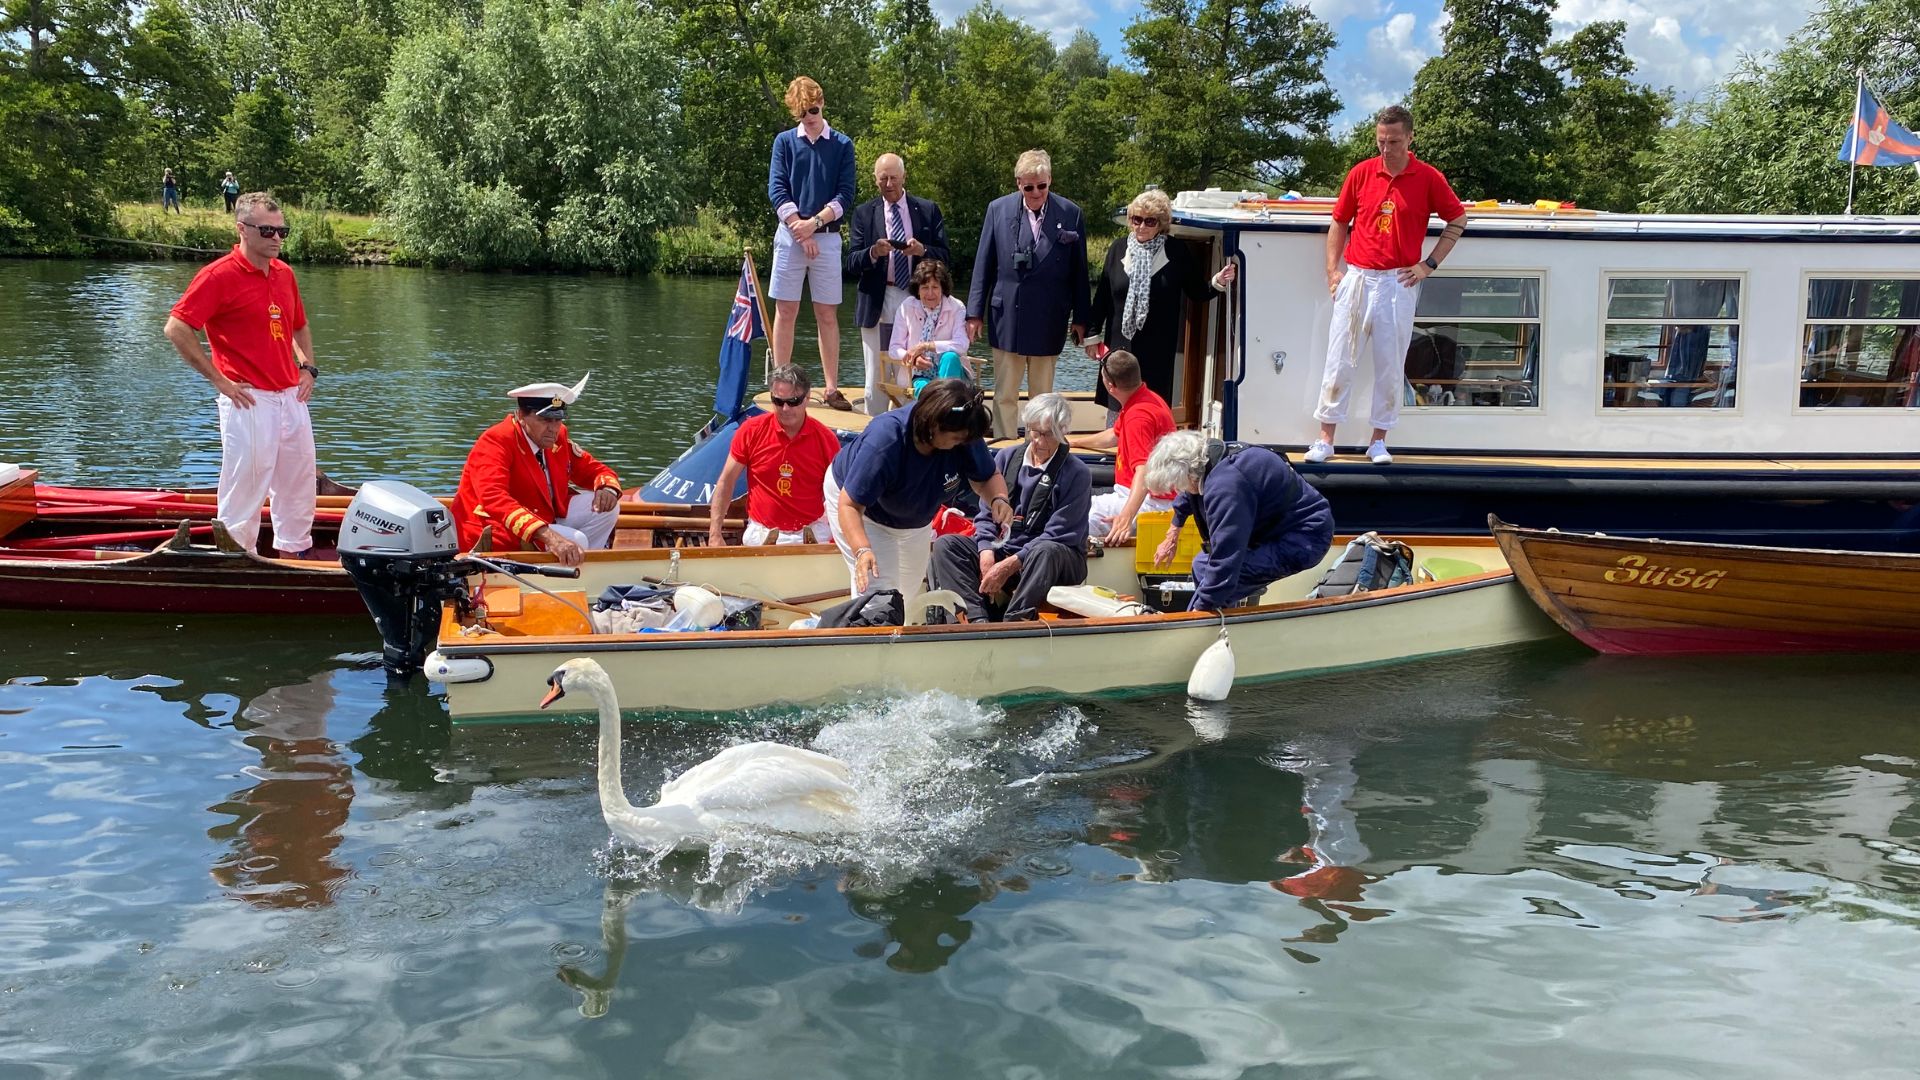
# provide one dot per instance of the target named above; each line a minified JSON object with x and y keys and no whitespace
{"x":890,"y":234}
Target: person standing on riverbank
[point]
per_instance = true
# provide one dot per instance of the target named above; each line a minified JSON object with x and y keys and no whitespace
{"x":261,"y":365}
{"x":229,"y":190}
{"x":1029,"y":280}
{"x":811,"y":185}
{"x":169,"y":192}
{"x":891,"y":233}
{"x":1379,"y":222}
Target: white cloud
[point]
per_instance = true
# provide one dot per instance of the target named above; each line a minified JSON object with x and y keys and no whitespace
{"x":1058,"y":19}
{"x":1334,"y":12}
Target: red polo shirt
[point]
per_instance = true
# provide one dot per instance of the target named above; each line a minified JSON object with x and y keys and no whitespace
{"x":1143,"y":421}
{"x":1389,"y":213}
{"x":249,"y":318}
{"x":784,"y":475}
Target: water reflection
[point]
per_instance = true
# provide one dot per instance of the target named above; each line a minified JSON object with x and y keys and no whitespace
{"x":287,"y":825}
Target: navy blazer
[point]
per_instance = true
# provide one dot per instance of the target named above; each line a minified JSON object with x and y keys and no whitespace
{"x":869,"y":227}
{"x":1028,"y":311}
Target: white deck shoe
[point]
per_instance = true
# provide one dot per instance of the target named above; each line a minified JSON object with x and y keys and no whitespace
{"x":1320,"y":451}
{"x":1377,"y":453}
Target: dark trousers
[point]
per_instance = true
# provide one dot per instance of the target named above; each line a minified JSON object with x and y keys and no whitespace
{"x":1268,"y":562}
{"x":1043,"y":564}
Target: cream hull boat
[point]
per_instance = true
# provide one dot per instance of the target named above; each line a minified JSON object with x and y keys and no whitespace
{"x":729,"y":670}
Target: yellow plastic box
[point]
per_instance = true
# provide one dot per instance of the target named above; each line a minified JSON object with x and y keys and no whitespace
{"x":1149,"y":529}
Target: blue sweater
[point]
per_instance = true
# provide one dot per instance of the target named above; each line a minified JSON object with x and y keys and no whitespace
{"x":900,"y":487}
{"x":811,"y":174}
{"x":1253,"y":497}
{"x":1066,"y":520}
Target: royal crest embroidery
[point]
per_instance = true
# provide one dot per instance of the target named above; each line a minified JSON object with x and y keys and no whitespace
{"x":785,"y":484}
{"x":274,"y":326}
{"x":1383,"y":222}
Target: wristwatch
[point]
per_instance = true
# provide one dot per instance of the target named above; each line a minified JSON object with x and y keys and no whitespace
{"x":309,"y":369}
{"x":1431,"y":265}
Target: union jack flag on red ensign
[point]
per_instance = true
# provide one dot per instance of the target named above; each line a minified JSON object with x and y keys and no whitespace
{"x":1874,"y":139}
{"x":736,"y":345}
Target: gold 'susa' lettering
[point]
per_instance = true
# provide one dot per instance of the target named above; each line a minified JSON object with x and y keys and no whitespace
{"x":1633,"y":570}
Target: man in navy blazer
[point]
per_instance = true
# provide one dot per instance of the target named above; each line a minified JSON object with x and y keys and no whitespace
{"x":881,"y":268}
{"x":1029,"y":280}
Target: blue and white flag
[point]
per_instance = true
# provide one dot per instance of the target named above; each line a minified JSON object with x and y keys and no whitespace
{"x":736,"y":347}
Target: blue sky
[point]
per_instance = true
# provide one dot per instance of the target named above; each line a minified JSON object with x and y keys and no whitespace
{"x":1684,"y":44}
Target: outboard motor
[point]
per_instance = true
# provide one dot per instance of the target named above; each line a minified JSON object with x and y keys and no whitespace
{"x":399,"y":544}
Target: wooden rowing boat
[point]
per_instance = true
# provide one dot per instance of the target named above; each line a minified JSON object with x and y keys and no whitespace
{"x":1629,"y":595}
{"x":159,"y":550}
{"x":506,"y":659}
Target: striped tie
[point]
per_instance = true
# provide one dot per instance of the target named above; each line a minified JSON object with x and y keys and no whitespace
{"x":897,"y":236}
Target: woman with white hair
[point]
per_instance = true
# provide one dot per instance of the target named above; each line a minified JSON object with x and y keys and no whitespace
{"x":1143,"y":292}
{"x":1258,"y":520}
{"x":1046,"y":542}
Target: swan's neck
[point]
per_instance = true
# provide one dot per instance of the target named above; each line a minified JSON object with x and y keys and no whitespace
{"x":612,"y":795}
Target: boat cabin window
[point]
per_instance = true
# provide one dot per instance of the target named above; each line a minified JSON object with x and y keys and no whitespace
{"x":1476,"y":341}
{"x":1671,"y":342}
{"x":1861,"y":343}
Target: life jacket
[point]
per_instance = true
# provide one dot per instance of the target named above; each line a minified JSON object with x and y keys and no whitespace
{"x":1030,"y":517}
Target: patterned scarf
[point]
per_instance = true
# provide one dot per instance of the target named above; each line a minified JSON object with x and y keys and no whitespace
{"x":1139,"y":276}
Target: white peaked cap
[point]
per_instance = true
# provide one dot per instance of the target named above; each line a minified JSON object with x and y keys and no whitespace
{"x":563,"y":395}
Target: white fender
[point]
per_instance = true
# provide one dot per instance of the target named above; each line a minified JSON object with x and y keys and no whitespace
{"x":1213,"y":673}
{"x":444,"y":669}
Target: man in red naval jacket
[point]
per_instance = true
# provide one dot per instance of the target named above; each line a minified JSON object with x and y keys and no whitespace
{"x":520,"y":478}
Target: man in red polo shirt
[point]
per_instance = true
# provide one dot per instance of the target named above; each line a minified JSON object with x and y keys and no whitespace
{"x":785,"y":454}
{"x":1144,"y":419}
{"x":1379,"y":223}
{"x":250,"y":308}
{"x":520,"y":478}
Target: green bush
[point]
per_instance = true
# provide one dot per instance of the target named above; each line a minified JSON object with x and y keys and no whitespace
{"x":313,"y":239}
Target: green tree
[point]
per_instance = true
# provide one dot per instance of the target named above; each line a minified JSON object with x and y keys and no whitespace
{"x":1226,"y":91}
{"x":1765,"y":140}
{"x":334,"y":56}
{"x":1483,"y":109}
{"x":178,"y":101}
{"x":544,"y":136}
{"x":1603,"y":140}
{"x":1089,"y":130}
{"x":59,"y":120}
{"x":258,"y":142}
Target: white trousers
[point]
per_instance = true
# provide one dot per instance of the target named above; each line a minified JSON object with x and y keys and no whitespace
{"x":900,"y":554}
{"x":874,"y":343}
{"x":1372,"y":315}
{"x":591,"y":529}
{"x":757,"y":534}
{"x":267,"y":451}
{"x":1106,"y":507}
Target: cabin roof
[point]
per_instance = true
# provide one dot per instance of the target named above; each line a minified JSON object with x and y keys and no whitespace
{"x":1214,"y":211}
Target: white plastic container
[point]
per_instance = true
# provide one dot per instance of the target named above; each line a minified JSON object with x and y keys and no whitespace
{"x":1093,"y":601}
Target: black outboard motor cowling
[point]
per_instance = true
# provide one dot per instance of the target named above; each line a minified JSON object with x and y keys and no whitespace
{"x":399,"y":545}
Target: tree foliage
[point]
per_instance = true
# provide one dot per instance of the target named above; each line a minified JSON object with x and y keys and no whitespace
{"x":543,"y":136}
{"x":1602,"y":149}
{"x":60,"y":119}
{"x":1226,"y":91}
{"x":1483,"y":108}
{"x":1766,"y":140}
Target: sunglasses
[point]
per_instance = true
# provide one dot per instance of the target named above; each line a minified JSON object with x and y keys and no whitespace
{"x":813,"y":110}
{"x":1031,"y":188}
{"x":1137,"y":221}
{"x":270,"y":231}
{"x":791,"y":403}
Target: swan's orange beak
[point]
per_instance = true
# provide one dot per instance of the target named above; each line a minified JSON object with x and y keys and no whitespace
{"x":557,"y":692}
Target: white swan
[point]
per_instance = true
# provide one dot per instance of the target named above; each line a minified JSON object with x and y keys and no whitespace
{"x":765,"y":786}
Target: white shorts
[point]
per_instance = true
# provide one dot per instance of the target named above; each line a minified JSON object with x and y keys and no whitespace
{"x":1101,"y":513}
{"x":791,"y":268}
{"x":757,"y":534}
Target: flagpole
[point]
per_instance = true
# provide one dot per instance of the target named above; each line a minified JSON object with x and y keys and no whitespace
{"x":753,"y":275}
{"x":1859,"y":102}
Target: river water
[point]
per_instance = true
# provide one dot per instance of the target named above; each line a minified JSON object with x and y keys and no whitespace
{"x":230,"y":849}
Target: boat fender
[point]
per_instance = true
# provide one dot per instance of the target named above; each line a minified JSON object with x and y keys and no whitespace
{"x":457,"y":669}
{"x":701,"y":608}
{"x":1213,"y":673}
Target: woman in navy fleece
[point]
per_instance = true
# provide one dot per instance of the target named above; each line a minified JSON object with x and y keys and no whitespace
{"x":1259,"y":521}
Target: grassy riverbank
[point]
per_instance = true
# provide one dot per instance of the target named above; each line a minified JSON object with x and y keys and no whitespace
{"x":706,"y":245}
